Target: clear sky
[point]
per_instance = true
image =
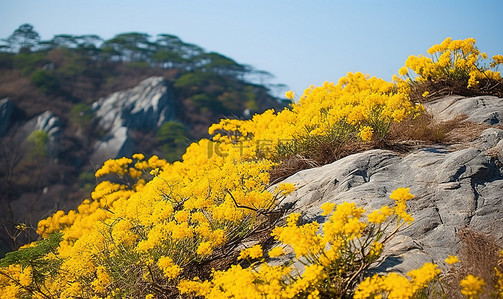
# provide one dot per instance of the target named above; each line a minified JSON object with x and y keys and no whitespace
{"x":300,"y":42}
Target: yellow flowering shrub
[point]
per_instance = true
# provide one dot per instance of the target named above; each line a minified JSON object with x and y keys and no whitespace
{"x":149,"y":221}
{"x":472,"y":286}
{"x":335,"y":258}
{"x":357,"y":107}
{"x":453,"y":62}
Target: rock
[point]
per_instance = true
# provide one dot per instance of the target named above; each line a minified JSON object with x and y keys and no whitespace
{"x":481,"y":109}
{"x":49,"y":123}
{"x":6,"y":108}
{"x":454,"y":190}
{"x":144,"y":107}
{"x":115,"y":144}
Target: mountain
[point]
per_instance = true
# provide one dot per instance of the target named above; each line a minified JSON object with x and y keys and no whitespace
{"x":73,"y":102}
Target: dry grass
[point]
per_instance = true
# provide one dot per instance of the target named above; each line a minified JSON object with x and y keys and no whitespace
{"x":320,"y":152}
{"x":479,"y":256}
{"x":447,"y":87}
{"x":424,"y":129}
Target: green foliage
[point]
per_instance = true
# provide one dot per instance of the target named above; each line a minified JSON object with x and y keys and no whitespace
{"x":205,"y":102}
{"x":38,"y":141}
{"x":32,"y":255}
{"x":81,"y":114}
{"x":191,"y":80}
{"x":36,"y":257}
{"x":173,"y":137}
{"x":45,"y":81}
{"x":6,"y":61}
{"x":87,"y":181}
{"x":28,"y":62}
{"x":138,"y":65}
{"x":23,"y":38}
{"x":75,"y":65}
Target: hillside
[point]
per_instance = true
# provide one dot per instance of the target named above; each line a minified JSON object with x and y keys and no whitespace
{"x":401,"y":199}
{"x":70,"y":103}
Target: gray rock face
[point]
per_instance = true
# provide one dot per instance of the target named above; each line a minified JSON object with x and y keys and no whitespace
{"x":49,"y":123}
{"x":5,"y":113}
{"x":145,"y":106}
{"x":482,"y":109}
{"x":454,"y":188}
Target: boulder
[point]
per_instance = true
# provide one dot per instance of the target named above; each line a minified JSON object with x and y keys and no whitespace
{"x":6,"y":108}
{"x":49,"y":123}
{"x":455,"y":187}
{"x":481,"y":109}
{"x":454,"y":190}
{"x":144,"y":107}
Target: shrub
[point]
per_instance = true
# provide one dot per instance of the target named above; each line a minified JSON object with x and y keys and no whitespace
{"x":454,"y":67}
{"x":37,"y":145}
{"x":334,"y":260}
{"x":45,"y":81}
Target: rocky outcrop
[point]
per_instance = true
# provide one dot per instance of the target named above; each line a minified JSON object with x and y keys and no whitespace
{"x":456,"y":187}
{"x":6,"y":108}
{"x":143,"y":107}
{"x":49,"y":123}
{"x":481,"y":109}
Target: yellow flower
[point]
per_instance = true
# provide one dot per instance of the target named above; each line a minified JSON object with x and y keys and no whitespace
{"x":376,"y":217}
{"x":401,"y":194}
{"x":423,"y":276}
{"x":170,"y":269}
{"x":366,"y":133}
{"x":276,"y":251}
{"x":25,"y":277}
{"x":139,"y":156}
{"x":204,"y":248}
{"x":285,"y":189}
{"x":472,"y":286}
{"x":425,"y":94}
{"x":376,"y":248}
{"x":452,"y":259}
{"x":290,"y":95}
{"x":291,"y":220}
{"x":253,"y":252}
{"x":403,"y":71}
{"x":327,"y":208}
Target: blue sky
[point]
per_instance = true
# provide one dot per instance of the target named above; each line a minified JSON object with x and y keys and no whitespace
{"x":299,"y":42}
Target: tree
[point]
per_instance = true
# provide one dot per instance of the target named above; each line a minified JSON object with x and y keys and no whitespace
{"x":132,"y":46}
{"x":172,"y":136}
{"x":23,"y":39}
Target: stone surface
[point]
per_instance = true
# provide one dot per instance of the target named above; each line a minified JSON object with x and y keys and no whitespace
{"x":454,"y":189}
{"x":481,"y":109}
{"x":6,"y":108}
{"x":143,"y":107}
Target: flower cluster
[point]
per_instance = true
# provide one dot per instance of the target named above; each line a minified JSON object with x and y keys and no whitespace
{"x":151,"y":219}
{"x":453,"y":60}
{"x":346,"y":246}
{"x":358,"y":106}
